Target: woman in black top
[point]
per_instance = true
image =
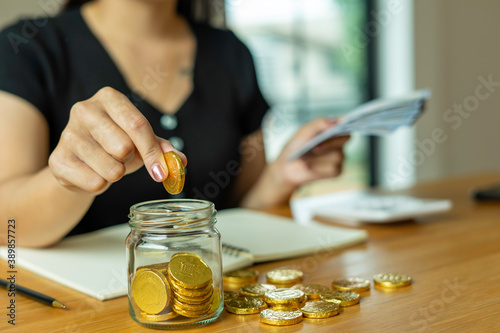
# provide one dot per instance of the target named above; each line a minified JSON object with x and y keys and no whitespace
{"x":89,"y":96}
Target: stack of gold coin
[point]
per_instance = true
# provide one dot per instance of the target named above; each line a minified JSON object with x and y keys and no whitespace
{"x":192,"y":286}
{"x":280,"y":318}
{"x":246,"y":305}
{"x":284,"y":277}
{"x":319,"y":309}
{"x":256,"y":289}
{"x":311,"y":290}
{"x":285,"y":298}
{"x":342,"y":298}
{"x":151,"y":290}
{"x":391,"y":280}
{"x":355,"y":284}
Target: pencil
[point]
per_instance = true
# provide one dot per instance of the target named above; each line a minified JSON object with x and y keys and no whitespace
{"x":47,"y":300}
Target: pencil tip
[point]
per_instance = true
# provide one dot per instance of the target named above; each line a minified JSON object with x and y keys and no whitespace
{"x":58,"y":304}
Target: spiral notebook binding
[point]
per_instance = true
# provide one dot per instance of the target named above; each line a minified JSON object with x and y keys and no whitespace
{"x":233,"y":250}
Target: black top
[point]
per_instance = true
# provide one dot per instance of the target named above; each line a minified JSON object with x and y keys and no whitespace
{"x":54,"y":63}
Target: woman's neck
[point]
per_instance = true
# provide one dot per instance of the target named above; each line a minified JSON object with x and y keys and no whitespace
{"x":139,"y":19}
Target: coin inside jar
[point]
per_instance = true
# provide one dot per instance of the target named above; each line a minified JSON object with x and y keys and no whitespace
{"x":150,"y":290}
{"x":188,"y":270}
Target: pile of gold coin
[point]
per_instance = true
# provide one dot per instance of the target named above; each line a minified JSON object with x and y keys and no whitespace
{"x":183,"y":286}
{"x":281,"y":306}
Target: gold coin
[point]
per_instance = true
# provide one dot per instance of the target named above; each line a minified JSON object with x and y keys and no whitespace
{"x":195,"y":293}
{"x":241,"y":276}
{"x":176,"y":304}
{"x":311,"y":290}
{"x":392,"y":280}
{"x":342,"y":298}
{"x":256,"y":289}
{"x":189,"y":314}
{"x":215,"y":302}
{"x":246,"y":305}
{"x":188,"y":270}
{"x":174,"y":183}
{"x":157,"y":317}
{"x":150,"y":290}
{"x":284,"y":296}
{"x":160,"y":267}
{"x":280,"y":318}
{"x":355,"y":284}
{"x":193,"y":300}
{"x":319,"y":309}
{"x":229,"y":295}
{"x":284,"y":276}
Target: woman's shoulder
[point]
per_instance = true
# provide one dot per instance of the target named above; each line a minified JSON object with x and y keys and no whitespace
{"x":35,"y":32}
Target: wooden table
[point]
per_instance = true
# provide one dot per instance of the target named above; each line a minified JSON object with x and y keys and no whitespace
{"x":453,"y":258}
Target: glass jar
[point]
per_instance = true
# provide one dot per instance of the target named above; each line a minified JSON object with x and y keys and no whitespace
{"x":174,"y":264}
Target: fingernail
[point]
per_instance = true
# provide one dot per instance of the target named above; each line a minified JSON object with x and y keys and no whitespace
{"x":158,"y":172}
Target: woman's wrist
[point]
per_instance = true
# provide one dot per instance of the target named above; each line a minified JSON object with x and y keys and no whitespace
{"x":271,"y":189}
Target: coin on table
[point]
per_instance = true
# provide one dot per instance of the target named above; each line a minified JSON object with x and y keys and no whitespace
{"x":284,"y":296}
{"x":311,"y":290}
{"x":246,"y":305}
{"x":174,"y":183}
{"x":342,"y":298}
{"x":280,"y":318}
{"x":256,"y":289}
{"x":355,"y":284}
{"x":284,"y":276}
{"x":158,"y":317}
{"x":229,"y":295}
{"x":188,"y":270}
{"x":319,"y":309}
{"x":391,"y":280}
{"x":241,"y":276}
{"x":151,"y":291}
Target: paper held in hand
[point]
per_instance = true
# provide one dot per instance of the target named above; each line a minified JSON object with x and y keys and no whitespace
{"x":377,"y":117}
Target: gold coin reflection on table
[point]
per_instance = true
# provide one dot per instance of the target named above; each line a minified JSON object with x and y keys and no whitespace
{"x":174,"y":183}
{"x":319,"y":309}
{"x":188,"y":270}
{"x":342,"y":298}
{"x":241,"y":276}
{"x":150,"y":290}
{"x":284,"y":296}
{"x":256,"y":289}
{"x":355,"y":284}
{"x":284,"y":276}
{"x":392,"y":280}
{"x":311,"y":290}
{"x":229,"y":295}
{"x":246,"y":305}
{"x":280,"y":318}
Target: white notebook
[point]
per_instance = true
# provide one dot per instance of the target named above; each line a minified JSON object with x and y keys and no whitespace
{"x":95,"y":263}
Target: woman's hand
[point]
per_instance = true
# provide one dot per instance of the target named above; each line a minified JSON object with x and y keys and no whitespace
{"x":323,"y":161}
{"x":106,"y":138}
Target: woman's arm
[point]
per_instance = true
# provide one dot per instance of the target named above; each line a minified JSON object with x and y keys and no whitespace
{"x":261,"y":186}
{"x":105,"y":139}
{"x":44,"y":210}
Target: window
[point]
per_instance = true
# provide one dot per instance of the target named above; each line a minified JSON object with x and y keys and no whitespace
{"x":306,"y":65}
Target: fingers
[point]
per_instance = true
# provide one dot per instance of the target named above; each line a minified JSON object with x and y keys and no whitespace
{"x":335,"y":143}
{"x":325,"y":165}
{"x":138,"y":129}
{"x":166,"y":146}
